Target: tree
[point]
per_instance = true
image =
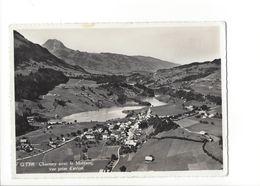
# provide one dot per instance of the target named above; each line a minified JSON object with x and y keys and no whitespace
{"x":121,"y":99}
{"x":62,"y":135}
{"x":82,"y":88}
{"x":73,"y":134}
{"x":85,"y":150}
{"x":204,"y":107}
{"x":122,"y":168}
{"x":113,"y":157}
{"x":50,"y":138}
{"x":116,"y":127}
{"x":79,"y":132}
{"x":18,"y":143}
{"x":68,"y":135}
{"x":143,"y":124}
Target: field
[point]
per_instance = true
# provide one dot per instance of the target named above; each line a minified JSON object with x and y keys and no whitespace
{"x":179,"y":149}
{"x":186,"y":122}
{"x":169,"y":109}
{"x":172,"y":151}
{"x":170,"y":155}
{"x":70,"y":153}
{"x":99,"y":154}
{"x":214,"y":128}
{"x":40,"y":138}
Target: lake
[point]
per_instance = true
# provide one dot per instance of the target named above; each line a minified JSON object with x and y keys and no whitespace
{"x":105,"y":114}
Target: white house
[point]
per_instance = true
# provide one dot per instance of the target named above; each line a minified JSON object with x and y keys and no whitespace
{"x":148,"y":158}
{"x":104,"y":136}
{"x":130,"y":143}
{"x":54,"y":122}
{"x":203,"y":132}
{"x":24,"y":140}
{"x":202,"y":112}
{"x":100,"y":130}
{"x":190,"y":107}
{"x":30,"y":119}
{"x":111,"y":127}
{"x":115,"y":135}
{"x":88,"y":136}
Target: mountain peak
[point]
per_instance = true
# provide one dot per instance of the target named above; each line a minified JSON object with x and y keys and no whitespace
{"x":18,"y":35}
{"x":54,"y":44}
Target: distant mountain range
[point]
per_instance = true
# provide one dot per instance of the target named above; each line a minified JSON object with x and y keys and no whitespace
{"x":105,"y":63}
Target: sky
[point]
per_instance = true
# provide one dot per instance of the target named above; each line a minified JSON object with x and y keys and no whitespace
{"x":178,"y":44}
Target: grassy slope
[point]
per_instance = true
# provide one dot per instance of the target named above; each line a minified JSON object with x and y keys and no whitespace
{"x":176,"y":154}
{"x":173,"y":154}
{"x":204,"y":78}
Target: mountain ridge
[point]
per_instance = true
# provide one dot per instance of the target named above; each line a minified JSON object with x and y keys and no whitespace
{"x":105,"y":62}
{"x":29,"y":56}
{"x":198,"y":76}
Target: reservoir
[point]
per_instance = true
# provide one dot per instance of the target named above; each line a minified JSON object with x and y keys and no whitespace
{"x":105,"y":114}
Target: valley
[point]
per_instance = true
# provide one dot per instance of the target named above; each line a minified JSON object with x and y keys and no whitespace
{"x":111,"y":112}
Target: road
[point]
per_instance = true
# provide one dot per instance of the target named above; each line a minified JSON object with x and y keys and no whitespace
{"x":118,"y":159}
{"x":46,"y":151}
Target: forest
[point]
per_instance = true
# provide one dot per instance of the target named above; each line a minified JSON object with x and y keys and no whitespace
{"x":37,"y":83}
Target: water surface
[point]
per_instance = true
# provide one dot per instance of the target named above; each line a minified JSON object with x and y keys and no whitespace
{"x":105,"y":114}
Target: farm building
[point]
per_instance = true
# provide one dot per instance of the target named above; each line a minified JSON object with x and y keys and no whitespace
{"x":148,"y":158}
{"x":203,"y":132}
{"x":30,"y":119}
{"x":24,"y":140}
{"x":88,"y":136}
{"x":104,"y":136}
{"x":54,"y":122}
{"x":131,"y":143}
{"x":190,"y":107}
{"x":25,"y":145}
{"x":116,"y":136}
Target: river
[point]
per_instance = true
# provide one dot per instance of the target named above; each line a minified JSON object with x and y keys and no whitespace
{"x":105,"y":114}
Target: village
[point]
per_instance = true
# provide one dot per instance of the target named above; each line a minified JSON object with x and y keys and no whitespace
{"x":127,"y":135}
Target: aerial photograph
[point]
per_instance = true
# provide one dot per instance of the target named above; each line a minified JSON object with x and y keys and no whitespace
{"x":118,"y":98}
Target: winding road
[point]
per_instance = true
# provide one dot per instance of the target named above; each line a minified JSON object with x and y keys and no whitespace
{"x":118,"y":159}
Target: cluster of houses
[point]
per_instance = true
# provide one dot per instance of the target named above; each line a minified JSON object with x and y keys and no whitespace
{"x":125,"y":133}
{"x":129,"y":133}
{"x":24,"y":144}
{"x":56,"y":122}
{"x":30,"y":119}
{"x":57,"y":143}
{"x":203,"y":113}
{"x":51,"y":95}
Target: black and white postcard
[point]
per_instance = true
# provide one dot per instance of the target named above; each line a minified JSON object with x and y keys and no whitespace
{"x":120,"y":99}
